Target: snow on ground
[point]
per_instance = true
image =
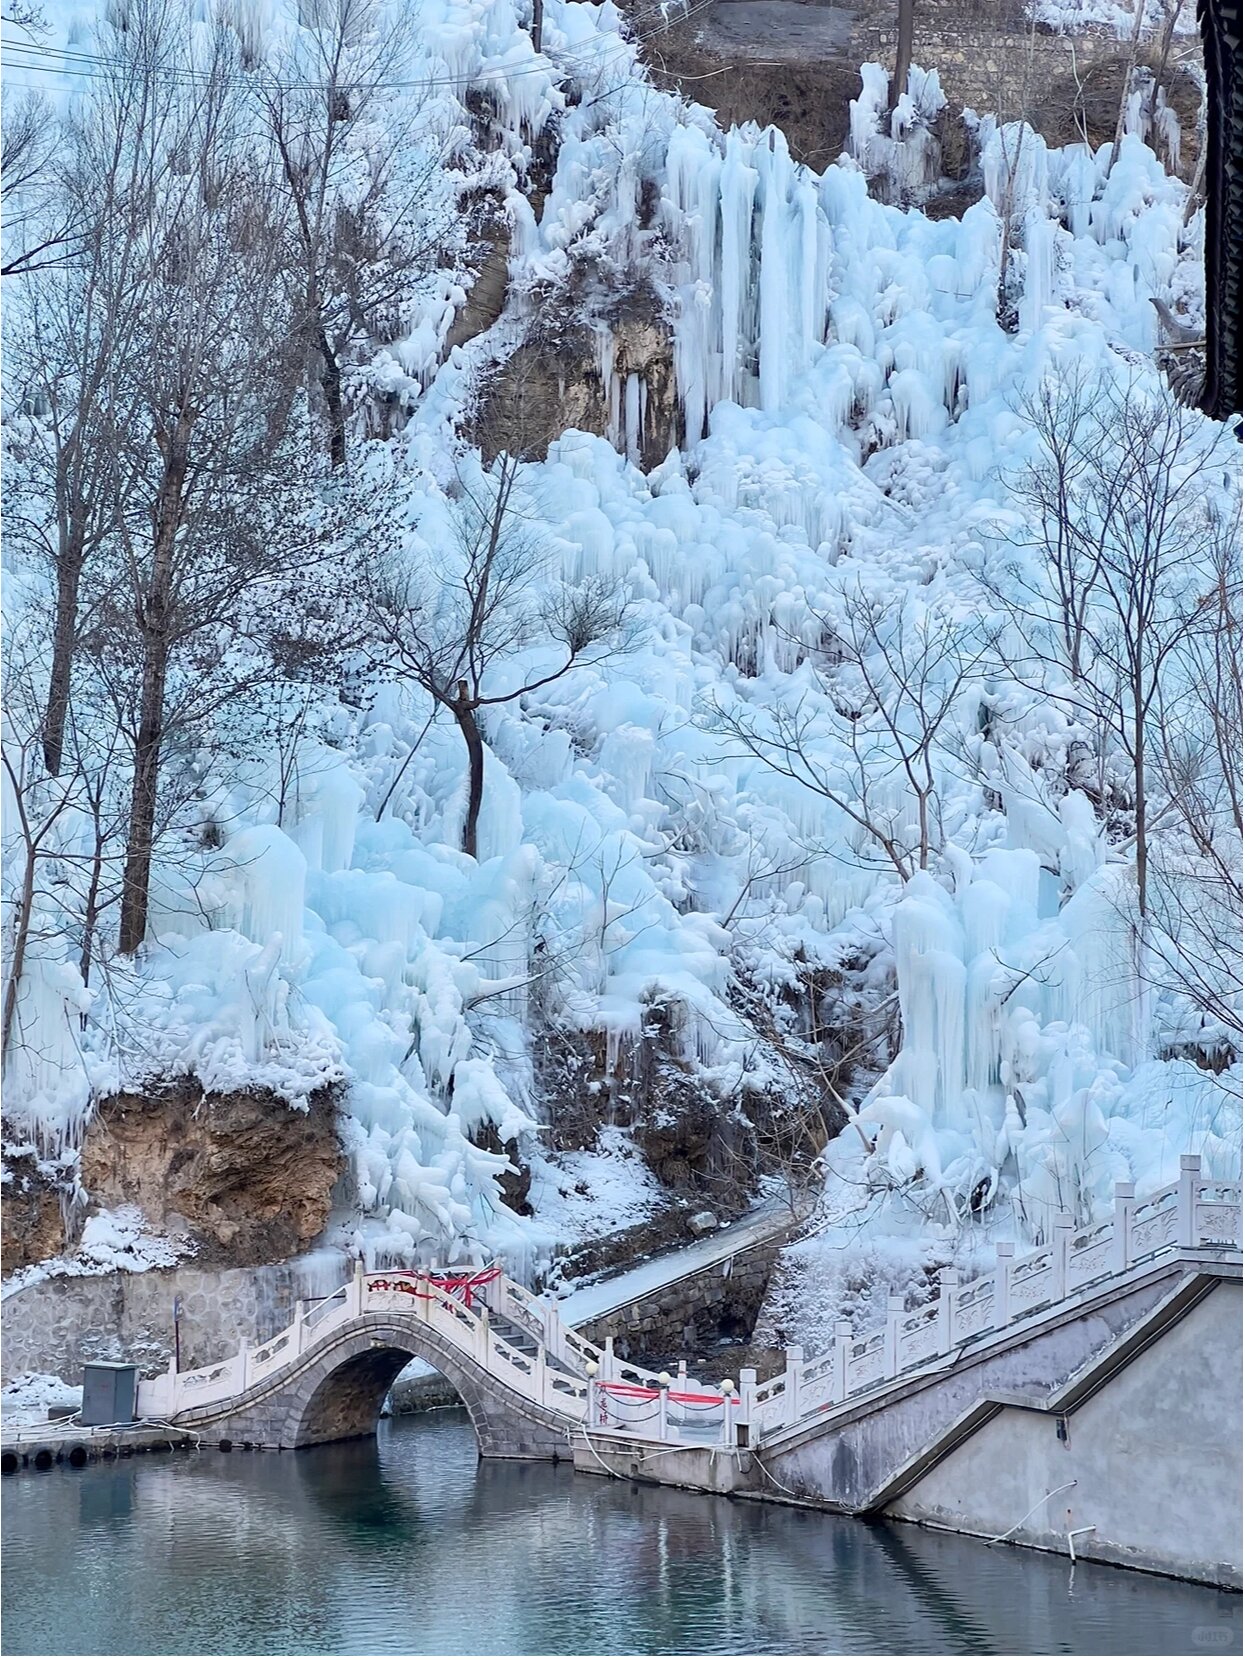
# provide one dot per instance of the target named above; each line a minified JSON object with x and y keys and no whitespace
{"x":590,"y":1302}
{"x":112,"y":1241}
{"x":28,"y":1399}
{"x":854,"y":414}
{"x":581,"y":1195}
{"x":1118,"y":15}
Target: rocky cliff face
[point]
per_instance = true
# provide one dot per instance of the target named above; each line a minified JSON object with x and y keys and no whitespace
{"x":248,"y":1179}
{"x":32,"y":1215}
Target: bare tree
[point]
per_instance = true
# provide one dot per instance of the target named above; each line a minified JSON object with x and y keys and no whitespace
{"x":356,"y":249}
{"x":174,"y":447}
{"x":1197,"y":891}
{"x":871,"y":739}
{"x":1119,"y":558}
{"x":450,"y":628}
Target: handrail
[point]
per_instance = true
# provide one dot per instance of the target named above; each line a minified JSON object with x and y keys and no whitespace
{"x":1192,"y":1214}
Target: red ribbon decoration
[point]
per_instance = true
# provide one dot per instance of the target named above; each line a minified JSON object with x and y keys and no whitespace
{"x":457,"y":1285}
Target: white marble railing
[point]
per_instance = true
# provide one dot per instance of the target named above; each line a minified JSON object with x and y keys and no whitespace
{"x":1192,"y":1214}
{"x":592,"y":1385}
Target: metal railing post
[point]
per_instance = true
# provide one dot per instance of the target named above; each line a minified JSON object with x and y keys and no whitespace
{"x":1121,"y":1236}
{"x":1004,"y":1251}
{"x":1186,"y":1200}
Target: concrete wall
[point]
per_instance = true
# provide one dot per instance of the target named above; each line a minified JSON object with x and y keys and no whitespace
{"x":1155,"y":1455}
{"x":57,"y":1324}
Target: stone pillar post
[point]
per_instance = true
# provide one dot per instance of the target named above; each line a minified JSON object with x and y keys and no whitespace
{"x":890,"y":1338}
{"x":791,"y":1382}
{"x":948,"y":1285}
{"x":1186,"y":1200}
{"x":1059,"y":1256}
{"x":747,"y":1393}
{"x":1121,"y":1237}
{"x":1004,"y":1251}
{"x":842,"y":1345}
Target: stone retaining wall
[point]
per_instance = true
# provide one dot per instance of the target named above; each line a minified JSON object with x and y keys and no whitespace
{"x":57,"y":1324}
{"x":985,"y":65}
{"x":678,"y":1321}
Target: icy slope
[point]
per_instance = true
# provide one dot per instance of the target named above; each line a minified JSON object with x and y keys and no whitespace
{"x":852,"y":412}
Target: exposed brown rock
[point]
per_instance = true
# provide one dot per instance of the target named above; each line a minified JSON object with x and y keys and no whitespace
{"x":247,"y":1176}
{"x":31,"y":1217}
{"x":552,"y":382}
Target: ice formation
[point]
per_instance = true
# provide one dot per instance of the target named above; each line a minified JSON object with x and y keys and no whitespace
{"x":849,"y":407}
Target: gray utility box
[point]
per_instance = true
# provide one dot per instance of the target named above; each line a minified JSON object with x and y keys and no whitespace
{"x":109,"y":1393}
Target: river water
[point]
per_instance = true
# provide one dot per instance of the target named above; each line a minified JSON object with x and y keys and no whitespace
{"x":409,"y":1546}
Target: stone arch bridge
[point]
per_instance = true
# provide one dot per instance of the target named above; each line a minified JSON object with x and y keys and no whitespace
{"x":879,"y":1422}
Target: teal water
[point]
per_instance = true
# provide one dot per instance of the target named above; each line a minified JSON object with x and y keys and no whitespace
{"x":408,"y":1545}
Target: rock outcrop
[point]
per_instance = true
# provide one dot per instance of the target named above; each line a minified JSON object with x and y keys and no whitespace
{"x":32,"y":1225}
{"x":246,"y":1177}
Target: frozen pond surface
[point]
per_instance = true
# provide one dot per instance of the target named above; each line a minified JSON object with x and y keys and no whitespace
{"x":409,"y":1546}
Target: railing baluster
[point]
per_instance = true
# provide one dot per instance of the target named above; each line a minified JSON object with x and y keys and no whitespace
{"x":1005,"y":1252}
{"x":1059,"y":1256}
{"x":948,"y":1281}
{"x":1186,"y":1200}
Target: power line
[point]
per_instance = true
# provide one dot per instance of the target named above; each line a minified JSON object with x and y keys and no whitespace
{"x":44,"y":60}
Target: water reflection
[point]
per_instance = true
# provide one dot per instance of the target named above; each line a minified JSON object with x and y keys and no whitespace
{"x":409,"y":1546}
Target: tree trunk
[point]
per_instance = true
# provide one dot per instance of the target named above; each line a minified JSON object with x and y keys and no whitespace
{"x":465,"y":715}
{"x":903,"y":50}
{"x":1142,"y":820}
{"x":90,"y":912}
{"x":1131,"y":65}
{"x":136,"y":882}
{"x":155,"y":621}
{"x":331,"y":386}
{"x":17,"y":963}
{"x":64,"y":638}
{"x":538,"y":23}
